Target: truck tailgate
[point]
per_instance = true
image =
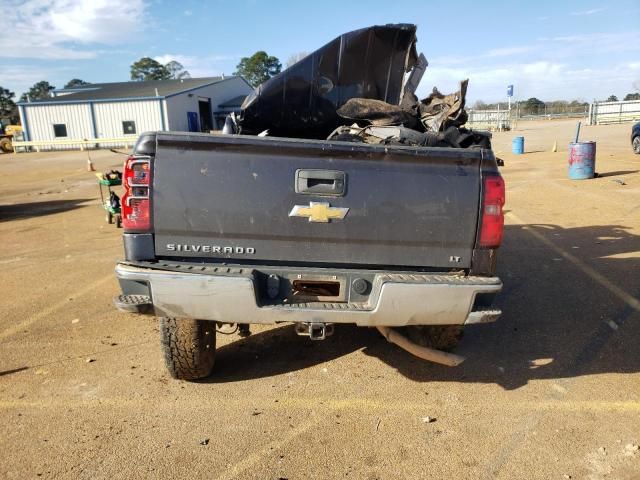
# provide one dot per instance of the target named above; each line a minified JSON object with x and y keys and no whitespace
{"x":233,"y":196}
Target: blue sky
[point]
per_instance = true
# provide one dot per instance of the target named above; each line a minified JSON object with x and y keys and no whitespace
{"x":547,"y":49}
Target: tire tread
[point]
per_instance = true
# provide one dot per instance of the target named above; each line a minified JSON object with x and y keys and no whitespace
{"x":188,"y":346}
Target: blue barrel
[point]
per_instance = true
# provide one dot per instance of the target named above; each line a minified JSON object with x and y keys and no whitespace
{"x":517,"y":145}
{"x":582,"y":160}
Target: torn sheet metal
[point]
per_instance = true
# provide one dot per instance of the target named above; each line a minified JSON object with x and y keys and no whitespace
{"x":436,"y":113}
{"x":411,"y":85}
{"x":439,"y":112}
{"x":302,"y":100}
{"x":376,"y":112}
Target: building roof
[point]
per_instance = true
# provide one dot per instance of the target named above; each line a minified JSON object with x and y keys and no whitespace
{"x":234,"y":102}
{"x":128,"y":90}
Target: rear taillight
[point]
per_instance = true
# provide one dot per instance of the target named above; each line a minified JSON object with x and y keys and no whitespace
{"x":136,"y":211}
{"x":492,"y":226}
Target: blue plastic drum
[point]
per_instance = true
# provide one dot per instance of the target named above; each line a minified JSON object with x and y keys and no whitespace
{"x":582,"y":160}
{"x":517,"y":145}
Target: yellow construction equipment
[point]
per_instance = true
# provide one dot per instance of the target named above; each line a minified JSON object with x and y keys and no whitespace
{"x":7,"y":132}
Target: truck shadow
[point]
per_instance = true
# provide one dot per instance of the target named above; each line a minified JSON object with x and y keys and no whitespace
{"x":38,"y":209}
{"x":565,"y":315}
{"x":280,"y":350}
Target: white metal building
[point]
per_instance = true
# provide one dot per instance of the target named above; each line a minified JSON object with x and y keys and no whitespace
{"x":126,"y":109}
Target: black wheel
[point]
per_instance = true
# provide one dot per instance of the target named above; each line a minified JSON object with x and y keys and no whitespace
{"x":189,"y":347}
{"x":109,"y":218}
{"x":118,"y":221}
{"x":636,"y":144}
{"x":440,"y":337}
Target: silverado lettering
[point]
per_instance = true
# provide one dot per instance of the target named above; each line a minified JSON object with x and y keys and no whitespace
{"x":178,"y":247}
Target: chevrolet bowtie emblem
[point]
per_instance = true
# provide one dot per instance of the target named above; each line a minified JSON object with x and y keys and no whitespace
{"x":320,"y":212}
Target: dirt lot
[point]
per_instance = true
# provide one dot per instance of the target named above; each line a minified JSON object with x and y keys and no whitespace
{"x":551,"y":391}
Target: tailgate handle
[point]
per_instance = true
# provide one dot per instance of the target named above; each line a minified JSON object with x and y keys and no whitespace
{"x":321,"y":182}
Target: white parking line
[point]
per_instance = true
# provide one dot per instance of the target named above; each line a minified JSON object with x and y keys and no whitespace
{"x":52,"y":308}
{"x":255,"y":457}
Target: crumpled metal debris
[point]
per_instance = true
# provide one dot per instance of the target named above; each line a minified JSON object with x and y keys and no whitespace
{"x":376,"y":112}
{"x":435,"y":113}
{"x":360,"y":77}
{"x":439,"y":112}
{"x":303,"y":99}
{"x":435,"y":121}
{"x":452,"y":137}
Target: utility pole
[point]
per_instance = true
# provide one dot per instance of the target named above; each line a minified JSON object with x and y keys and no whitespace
{"x":509,"y":95}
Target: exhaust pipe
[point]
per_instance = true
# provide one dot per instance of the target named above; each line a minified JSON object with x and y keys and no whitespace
{"x":425,"y":353}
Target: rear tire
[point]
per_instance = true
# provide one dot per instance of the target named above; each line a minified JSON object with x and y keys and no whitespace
{"x":440,"y":337}
{"x":189,"y":347}
{"x":636,"y":144}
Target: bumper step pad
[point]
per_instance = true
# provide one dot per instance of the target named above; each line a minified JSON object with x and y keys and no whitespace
{"x":483,"y":315}
{"x":133,"y":303}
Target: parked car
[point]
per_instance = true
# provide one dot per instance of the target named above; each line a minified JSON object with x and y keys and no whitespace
{"x":635,"y":138}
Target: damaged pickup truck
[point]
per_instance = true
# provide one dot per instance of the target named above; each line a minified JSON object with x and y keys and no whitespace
{"x":335,"y":197}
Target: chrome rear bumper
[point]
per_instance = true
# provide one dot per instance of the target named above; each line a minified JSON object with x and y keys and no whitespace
{"x":395,"y":300}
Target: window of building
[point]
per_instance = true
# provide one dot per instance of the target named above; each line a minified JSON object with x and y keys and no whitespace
{"x":59,"y":130}
{"x":128,"y":127}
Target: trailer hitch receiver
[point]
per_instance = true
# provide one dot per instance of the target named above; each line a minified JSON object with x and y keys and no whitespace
{"x":315,"y":330}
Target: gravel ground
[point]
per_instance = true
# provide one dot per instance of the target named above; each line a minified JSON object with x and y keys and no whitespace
{"x":552,"y":390}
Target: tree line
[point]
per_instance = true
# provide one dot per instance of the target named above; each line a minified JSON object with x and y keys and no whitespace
{"x":627,"y":97}
{"x":256,"y":69}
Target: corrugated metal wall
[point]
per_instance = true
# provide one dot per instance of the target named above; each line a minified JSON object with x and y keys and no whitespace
{"x":148,"y":115}
{"x":78,"y":119}
{"x":109,"y":117}
{"x":41,"y":118}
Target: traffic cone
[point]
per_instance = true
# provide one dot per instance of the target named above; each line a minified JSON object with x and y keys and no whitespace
{"x":555,"y":147}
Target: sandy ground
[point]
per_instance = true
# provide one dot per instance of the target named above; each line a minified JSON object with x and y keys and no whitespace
{"x":550,"y":391}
